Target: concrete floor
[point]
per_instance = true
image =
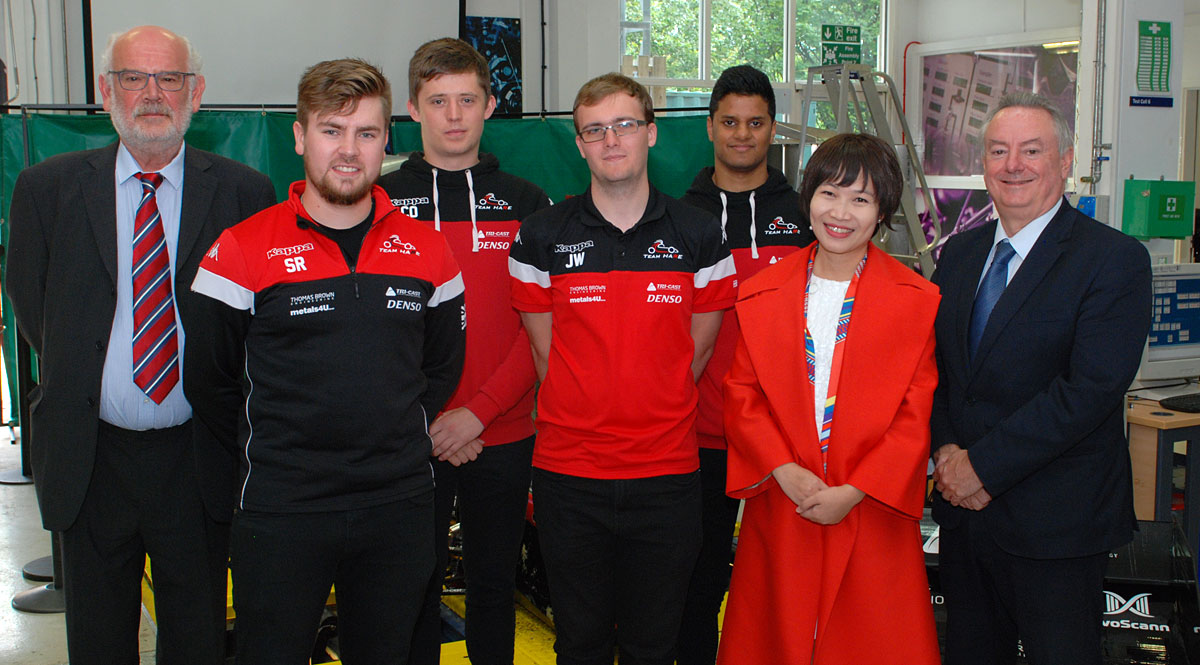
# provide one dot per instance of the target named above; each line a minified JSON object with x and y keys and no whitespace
{"x":31,"y":639}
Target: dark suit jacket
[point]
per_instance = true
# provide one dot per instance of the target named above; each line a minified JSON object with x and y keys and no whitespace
{"x":1040,"y":410}
{"x":62,"y":266}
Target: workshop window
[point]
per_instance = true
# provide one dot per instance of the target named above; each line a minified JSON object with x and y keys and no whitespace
{"x":701,"y":38}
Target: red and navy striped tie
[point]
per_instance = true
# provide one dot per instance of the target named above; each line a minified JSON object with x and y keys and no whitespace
{"x":155,"y":346}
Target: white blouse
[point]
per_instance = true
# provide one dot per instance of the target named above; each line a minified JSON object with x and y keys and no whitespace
{"x":825,"y":298}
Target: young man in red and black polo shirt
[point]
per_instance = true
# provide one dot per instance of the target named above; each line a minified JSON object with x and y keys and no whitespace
{"x":341,"y":333}
{"x":621,"y":290}
{"x":760,"y":215}
{"x":483,"y":440}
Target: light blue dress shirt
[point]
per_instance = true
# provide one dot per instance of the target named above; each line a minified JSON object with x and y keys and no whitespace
{"x":1022,"y":243}
{"x":122,"y":402}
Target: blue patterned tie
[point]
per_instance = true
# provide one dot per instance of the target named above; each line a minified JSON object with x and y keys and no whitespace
{"x":989,"y":292}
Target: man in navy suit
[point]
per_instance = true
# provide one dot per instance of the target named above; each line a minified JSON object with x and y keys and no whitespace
{"x":1032,"y":466}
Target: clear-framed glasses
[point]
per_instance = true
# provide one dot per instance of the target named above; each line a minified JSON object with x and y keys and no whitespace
{"x":623,"y":128}
{"x":167,"y":81}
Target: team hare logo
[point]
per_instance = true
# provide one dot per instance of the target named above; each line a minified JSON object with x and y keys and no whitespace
{"x":394,"y":245}
{"x":661,"y":250}
{"x":778,"y":225}
{"x":490,"y":202}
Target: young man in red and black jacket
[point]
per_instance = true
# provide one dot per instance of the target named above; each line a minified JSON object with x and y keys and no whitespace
{"x":483,"y":440}
{"x":341,"y":334}
{"x":760,"y":217}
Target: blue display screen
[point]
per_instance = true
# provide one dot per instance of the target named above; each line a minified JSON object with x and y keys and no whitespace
{"x":1176,"y":312}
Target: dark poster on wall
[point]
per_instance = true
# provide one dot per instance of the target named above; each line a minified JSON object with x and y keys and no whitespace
{"x":499,"y":40}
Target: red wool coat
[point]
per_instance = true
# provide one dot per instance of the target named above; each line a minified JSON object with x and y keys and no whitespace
{"x":854,"y":592}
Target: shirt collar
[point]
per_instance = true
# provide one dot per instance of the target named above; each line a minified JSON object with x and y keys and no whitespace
{"x":656,"y":208}
{"x":127,"y":166}
{"x":1024,"y":239}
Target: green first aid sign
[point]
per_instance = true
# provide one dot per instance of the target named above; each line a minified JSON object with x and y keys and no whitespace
{"x":1170,"y":207}
{"x":1154,"y":56}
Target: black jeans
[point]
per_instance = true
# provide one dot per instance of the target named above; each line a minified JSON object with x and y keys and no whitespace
{"x":618,"y":557}
{"x":284,"y":563}
{"x":493,"y":494}
{"x":697,"y":643}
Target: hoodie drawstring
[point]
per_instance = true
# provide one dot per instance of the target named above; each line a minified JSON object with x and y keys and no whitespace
{"x":753,"y":229}
{"x":474,"y":228}
{"x":437,"y":214}
{"x":724,"y":216}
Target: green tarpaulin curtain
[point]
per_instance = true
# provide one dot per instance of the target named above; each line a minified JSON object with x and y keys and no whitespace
{"x":541,"y":150}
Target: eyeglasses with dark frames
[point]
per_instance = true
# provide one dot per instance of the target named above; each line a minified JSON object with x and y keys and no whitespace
{"x":623,"y":128}
{"x":133,"y":80}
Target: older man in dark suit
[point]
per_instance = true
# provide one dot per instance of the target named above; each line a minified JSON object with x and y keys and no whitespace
{"x":104,"y":245}
{"x":1039,"y":334}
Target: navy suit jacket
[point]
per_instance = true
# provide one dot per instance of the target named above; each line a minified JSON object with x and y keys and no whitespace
{"x":62,"y":267}
{"x":1040,"y":408}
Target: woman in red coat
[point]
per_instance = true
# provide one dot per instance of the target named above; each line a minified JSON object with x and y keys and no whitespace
{"x":827,"y":414}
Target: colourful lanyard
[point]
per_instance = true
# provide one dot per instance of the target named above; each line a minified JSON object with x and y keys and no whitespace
{"x":810,"y":352}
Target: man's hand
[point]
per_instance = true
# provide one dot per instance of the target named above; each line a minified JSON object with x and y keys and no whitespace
{"x":977,"y":501}
{"x":830,"y":505}
{"x":467,"y":453}
{"x":943,"y":455}
{"x":452,"y":430}
{"x":954,"y":476}
{"x":797,"y":482}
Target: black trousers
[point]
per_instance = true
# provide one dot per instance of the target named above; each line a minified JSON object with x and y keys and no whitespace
{"x":618,"y":554}
{"x":493,"y":494}
{"x":144,"y":498}
{"x":284,"y":564}
{"x":1054,"y":606}
{"x":697,"y":643}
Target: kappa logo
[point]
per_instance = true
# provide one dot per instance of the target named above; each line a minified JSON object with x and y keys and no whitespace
{"x":291,"y":263}
{"x":394,"y":245}
{"x":662,"y":250}
{"x":409,"y":206}
{"x":1139,"y":604}
{"x":576,"y":251}
{"x":288,"y":251}
{"x":212,"y":253}
{"x":490,"y":202}
{"x":778,"y":225}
